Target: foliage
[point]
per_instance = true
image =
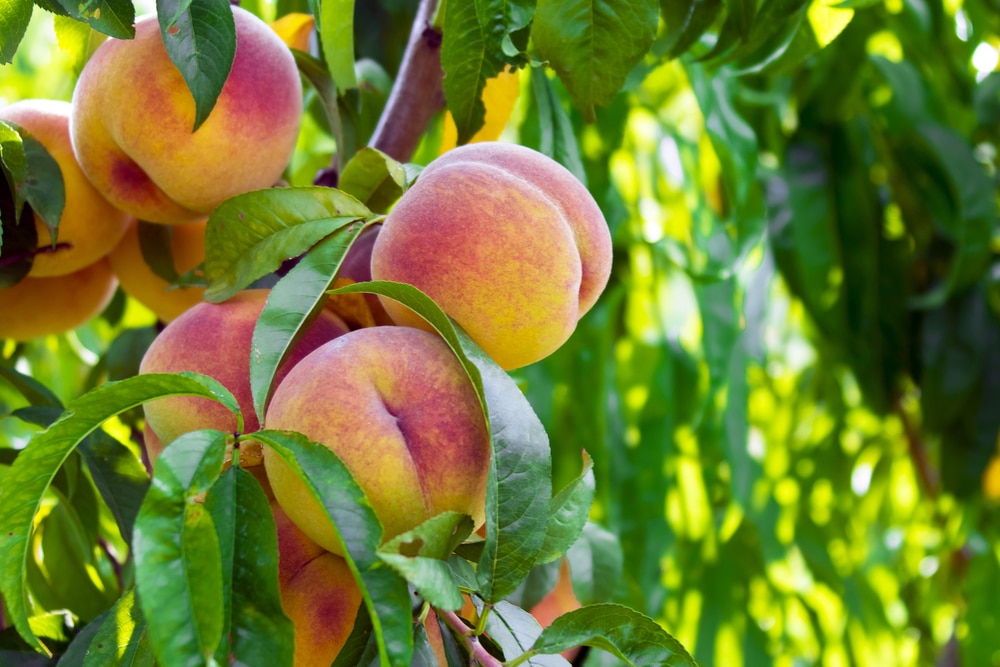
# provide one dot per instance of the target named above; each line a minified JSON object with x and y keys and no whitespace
{"x":785,"y":393}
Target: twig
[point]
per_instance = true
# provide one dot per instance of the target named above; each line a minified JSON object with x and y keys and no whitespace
{"x":417,"y":94}
{"x":480,"y":656}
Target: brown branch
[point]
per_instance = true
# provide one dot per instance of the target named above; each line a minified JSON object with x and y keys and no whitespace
{"x":417,"y":94}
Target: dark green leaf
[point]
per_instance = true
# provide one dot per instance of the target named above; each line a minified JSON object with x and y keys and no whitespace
{"x":34,"y":174}
{"x":570,"y":509}
{"x":250,"y":235}
{"x":119,"y":476}
{"x":31,"y":389}
{"x":292,"y":304}
{"x":201,"y":41}
{"x":178,"y":563}
{"x":420,"y":556}
{"x":34,"y":469}
{"x":623,"y":632}
{"x":475,"y":34}
{"x":336,"y":31}
{"x":154,"y":242}
{"x":121,"y":639}
{"x":317,"y":74}
{"x":330,"y":482}
{"x":594,"y":44}
{"x":686,"y":21}
{"x":596,"y":563}
{"x":519,"y":488}
{"x":126,"y":351}
{"x":361,"y":637}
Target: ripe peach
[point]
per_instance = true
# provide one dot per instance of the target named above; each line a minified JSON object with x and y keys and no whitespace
{"x":133,"y":116}
{"x":187,"y":245}
{"x":41,"y":306}
{"x":557,"y":602}
{"x":90,"y":225}
{"x":215,"y":339}
{"x":506,"y":241}
{"x":318,"y":594}
{"x":398,"y":409}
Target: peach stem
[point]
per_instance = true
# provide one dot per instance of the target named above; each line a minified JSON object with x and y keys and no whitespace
{"x":480,"y":656}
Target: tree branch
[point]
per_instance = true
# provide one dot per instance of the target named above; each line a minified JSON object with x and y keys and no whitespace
{"x":417,"y":94}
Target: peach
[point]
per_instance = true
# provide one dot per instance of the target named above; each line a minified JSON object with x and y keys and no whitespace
{"x":41,"y":306}
{"x":90,"y":226}
{"x":137,"y":279}
{"x":506,"y":241}
{"x":399,"y":410}
{"x":215,"y":339}
{"x":318,"y":594}
{"x":557,"y":602}
{"x":133,"y":117}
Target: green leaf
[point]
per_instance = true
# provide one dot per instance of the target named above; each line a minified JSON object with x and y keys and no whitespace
{"x":14,"y":18}
{"x":126,"y":351}
{"x":178,"y":563}
{"x":115,"y":18}
{"x":119,"y":476}
{"x":201,"y":41}
{"x":568,"y":515}
{"x":375,"y":179}
{"x":36,"y":466}
{"x":550,"y":130}
{"x":154,"y":243}
{"x":336,"y":31}
{"x":32,"y":390}
{"x":121,"y":638}
{"x":260,"y":632}
{"x":596,"y":563}
{"x":20,"y":241}
{"x":623,"y":632}
{"x":519,"y":487}
{"x":420,"y":556}
{"x":250,"y":235}
{"x":330,"y":482}
{"x":686,"y":21}
{"x":594,"y":44}
{"x":291,"y":307}
{"x":472,"y":51}
{"x":315,"y":71}
{"x":358,"y":642}
{"x":515,"y":630}
{"x":34,"y":174}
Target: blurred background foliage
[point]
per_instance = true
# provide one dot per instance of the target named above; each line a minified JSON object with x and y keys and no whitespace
{"x":791,"y":387}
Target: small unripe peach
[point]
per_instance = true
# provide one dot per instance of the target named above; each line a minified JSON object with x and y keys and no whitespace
{"x":399,"y":410}
{"x":506,"y":240}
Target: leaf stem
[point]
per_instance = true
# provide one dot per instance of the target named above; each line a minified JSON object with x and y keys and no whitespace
{"x":417,"y":94}
{"x":477,"y":652}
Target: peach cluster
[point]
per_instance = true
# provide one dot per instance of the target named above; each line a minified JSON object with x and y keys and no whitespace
{"x":127,"y":152}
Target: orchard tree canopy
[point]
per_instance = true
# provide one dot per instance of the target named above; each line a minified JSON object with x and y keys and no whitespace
{"x":500,"y":332}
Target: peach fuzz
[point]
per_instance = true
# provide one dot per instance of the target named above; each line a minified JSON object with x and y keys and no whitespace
{"x":399,"y":410}
{"x":137,"y":279}
{"x":133,"y":117}
{"x":318,"y":594}
{"x":41,"y":306}
{"x":506,"y":241}
{"x":90,"y":225}
{"x":215,"y":339}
